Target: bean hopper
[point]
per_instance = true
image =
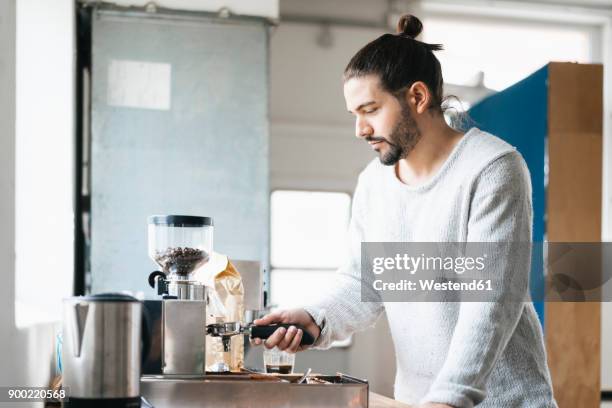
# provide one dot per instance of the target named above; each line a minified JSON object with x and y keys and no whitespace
{"x":179,"y":244}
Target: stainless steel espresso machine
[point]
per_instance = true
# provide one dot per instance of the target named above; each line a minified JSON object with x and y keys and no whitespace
{"x":174,"y":368}
{"x":181,"y":244}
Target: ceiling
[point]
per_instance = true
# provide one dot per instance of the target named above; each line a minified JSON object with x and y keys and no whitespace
{"x":374,"y":12}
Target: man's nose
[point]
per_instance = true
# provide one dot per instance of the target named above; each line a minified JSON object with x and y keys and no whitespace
{"x":363,"y":129}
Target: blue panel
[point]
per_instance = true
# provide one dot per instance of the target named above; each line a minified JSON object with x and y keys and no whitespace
{"x":519,"y":115}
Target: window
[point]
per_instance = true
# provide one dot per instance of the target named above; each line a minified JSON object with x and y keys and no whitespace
{"x":505,"y":50}
{"x":44,"y":161}
{"x":308,"y":239}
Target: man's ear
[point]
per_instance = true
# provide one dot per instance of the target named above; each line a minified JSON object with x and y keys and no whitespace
{"x":419,"y":97}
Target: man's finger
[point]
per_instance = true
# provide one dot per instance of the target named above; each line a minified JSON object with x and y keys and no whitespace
{"x":295,"y":344}
{"x":275,"y":338}
{"x":274,"y":317}
{"x":286,"y":341}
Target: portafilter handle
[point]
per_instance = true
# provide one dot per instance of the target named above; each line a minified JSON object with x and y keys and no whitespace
{"x":263,"y":332}
{"x":226,"y":330}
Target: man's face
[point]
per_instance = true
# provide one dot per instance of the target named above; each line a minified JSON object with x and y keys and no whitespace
{"x":382,"y":120}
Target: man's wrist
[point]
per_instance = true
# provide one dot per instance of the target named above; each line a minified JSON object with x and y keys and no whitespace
{"x":318,"y":318}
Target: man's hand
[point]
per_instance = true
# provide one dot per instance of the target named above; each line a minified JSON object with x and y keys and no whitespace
{"x":288,"y":339}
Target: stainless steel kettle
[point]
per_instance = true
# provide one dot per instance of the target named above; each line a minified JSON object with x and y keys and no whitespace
{"x":101,"y":353}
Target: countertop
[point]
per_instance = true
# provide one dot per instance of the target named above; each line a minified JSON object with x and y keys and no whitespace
{"x":379,"y":401}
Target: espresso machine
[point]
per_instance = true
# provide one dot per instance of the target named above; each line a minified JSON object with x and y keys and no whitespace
{"x":180,"y":245}
{"x":174,"y":368}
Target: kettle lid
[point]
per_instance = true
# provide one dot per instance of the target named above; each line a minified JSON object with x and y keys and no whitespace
{"x":109,"y":297}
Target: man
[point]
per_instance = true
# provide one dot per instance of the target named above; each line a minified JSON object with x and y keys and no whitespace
{"x":432,"y":183}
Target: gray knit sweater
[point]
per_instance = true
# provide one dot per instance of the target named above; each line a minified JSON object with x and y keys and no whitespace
{"x":489,"y":354}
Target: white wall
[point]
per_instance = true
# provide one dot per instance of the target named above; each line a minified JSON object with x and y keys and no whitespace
{"x":44,"y":213}
{"x":28,"y":353}
{"x":261,"y":8}
{"x":312,"y":134}
{"x":313,"y":147}
{"x":8,"y":339}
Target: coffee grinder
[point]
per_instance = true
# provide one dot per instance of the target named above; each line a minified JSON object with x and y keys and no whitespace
{"x":179,"y":244}
{"x":177,"y":327}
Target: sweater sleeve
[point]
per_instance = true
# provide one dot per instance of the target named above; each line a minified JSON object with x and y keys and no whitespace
{"x":344,"y":308}
{"x":500,"y":212}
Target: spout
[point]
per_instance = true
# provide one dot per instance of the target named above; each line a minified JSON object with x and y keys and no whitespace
{"x":227,"y":342}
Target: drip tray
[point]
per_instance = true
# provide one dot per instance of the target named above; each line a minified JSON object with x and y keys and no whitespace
{"x":254,"y":390}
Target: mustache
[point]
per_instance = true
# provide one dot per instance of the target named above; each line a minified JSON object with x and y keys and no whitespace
{"x":378,"y":139}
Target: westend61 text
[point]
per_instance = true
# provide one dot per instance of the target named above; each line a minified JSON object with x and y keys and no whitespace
{"x":432,"y":285}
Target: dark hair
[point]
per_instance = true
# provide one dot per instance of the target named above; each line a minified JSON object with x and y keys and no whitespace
{"x":399,"y":60}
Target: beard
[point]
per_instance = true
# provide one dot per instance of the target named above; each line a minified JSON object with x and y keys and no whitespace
{"x":402,"y":140}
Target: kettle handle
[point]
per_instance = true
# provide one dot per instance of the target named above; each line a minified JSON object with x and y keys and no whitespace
{"x":146,"y":337}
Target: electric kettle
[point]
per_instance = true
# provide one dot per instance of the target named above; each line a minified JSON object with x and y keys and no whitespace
{"x":101,"y":354}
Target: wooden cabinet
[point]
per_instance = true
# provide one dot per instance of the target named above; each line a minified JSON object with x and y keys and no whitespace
{"x":555,"y":119}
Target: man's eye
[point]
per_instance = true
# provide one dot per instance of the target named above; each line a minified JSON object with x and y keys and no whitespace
{"x":371,"y":110}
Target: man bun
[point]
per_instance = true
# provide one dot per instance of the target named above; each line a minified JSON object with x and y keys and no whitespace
{"x":409,"y":25}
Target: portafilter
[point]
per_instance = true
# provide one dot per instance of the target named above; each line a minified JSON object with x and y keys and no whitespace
{"x":229,"y":329}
